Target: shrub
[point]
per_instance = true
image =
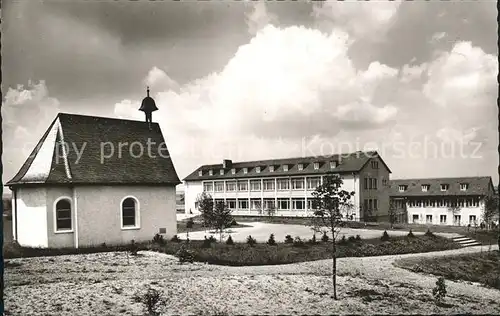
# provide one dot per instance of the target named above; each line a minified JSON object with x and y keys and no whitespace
{"x":288,"y":239}
{"x":133,"y":248}
{"x":233,"y":223}
{"x":271,"y":240}
{"x":175,"y":239}
{"x":158,"y":239}
{"x":325,"y":237}
{"x":206,"y":243}
{"x":439,"y":292}
{"x":297,"y":242}
{"x":152,"y":301}
{"x":351,"y":239}
{"x":185,"y":255}
{"x":229,"y":241}
{"x":212,"y":239}
{"x":343,"y":240}
{"x":358,"y":238}
{"x":410,"y":234}
{"x":190,"y":223}
{"x":385,"y":236}
{"x":428,"y":233}
{"x":313,"y":240}
{"x":251,"y":241}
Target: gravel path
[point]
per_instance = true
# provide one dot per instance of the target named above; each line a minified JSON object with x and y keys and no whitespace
{"x":104,"y":284}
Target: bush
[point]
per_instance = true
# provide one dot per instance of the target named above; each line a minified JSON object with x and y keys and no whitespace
{"x":185,"y":255}
{"x":358,"y":238}
{"x":343,"y":240}
{"x":325,"y":237}
{"x":410,"y":234}
{"x":229,"y":241}
{"x":351,"y":239}
{"x":158,"y":239}
{"x":251,"y":241}
{"x":288,"y":239}
{"x":152,"y":300}
{"x":297,"y":242}
{"x":271,"y":241}
{"x":439,"y":292}
{"x":385,"y":236}
{"x":190,"y":223}
{"x":233,"y":223}
{"x":175,"y":239}
{"x":212,"y":239}
{"x":313,"y":240}
{"x":133,"y":248}
{"x":428,"y":233}
{"x":206,"y":243}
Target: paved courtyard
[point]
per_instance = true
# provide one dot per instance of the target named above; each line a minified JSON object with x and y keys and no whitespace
{"x":261,"y":231}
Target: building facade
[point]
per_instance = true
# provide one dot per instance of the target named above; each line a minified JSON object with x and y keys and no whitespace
{"x":286,"y":185}
{"x":78,"y":190}
{"x":442,"y":201}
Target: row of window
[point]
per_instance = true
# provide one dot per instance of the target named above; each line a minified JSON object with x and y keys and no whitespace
{"x":63,"y":210}
{"x":443,"y":219}
{"x":258,"y":169}
{"x":464,"y":202}
{"x":265,"y":204}
{"x":266,"y":184}
{"x":426,"y":187}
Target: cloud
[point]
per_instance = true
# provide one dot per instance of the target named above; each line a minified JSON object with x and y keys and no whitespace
{"x":158,"y":79}
{"x":32,"y":101}
{"x":410,"y":73}
{"x":438,"y":36}
{"x":259,"y":17}
{"x":464,"y":78}
{"x":360,"y":19}
{"x":27,"y":112}
{"x":277,"y":83}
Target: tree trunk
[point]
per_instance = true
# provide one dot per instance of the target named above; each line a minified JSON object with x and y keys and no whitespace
{"x":334,"y":268}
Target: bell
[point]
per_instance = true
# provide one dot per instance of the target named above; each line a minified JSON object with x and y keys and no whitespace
{"x":148,"y":106}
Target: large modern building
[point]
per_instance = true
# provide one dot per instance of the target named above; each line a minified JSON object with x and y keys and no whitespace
{"x":252,"y":188}
{"x":442,"y":201}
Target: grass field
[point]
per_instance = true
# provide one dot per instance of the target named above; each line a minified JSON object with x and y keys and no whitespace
{"x":482,"y":267}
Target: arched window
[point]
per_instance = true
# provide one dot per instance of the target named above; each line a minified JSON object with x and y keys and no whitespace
{"x":130,"y":213}
{"x":63,"y":215}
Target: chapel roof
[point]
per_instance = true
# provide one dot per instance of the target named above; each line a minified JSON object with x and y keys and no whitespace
{"x":92,"y":154}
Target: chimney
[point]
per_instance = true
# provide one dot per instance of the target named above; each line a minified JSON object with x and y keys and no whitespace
{"x":226,"y":163}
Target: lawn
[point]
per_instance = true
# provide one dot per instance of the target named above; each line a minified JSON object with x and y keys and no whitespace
{"x":482,"y":267}
{"x":486,"y":237}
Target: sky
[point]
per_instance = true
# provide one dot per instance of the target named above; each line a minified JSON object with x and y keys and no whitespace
{"x":253,"y":80}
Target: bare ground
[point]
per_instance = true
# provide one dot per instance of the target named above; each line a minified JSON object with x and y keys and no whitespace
{"x":105,"y":283}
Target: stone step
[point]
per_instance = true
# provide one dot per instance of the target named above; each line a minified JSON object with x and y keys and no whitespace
{"x":466,"y":241}
{"x":461,"y":239}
